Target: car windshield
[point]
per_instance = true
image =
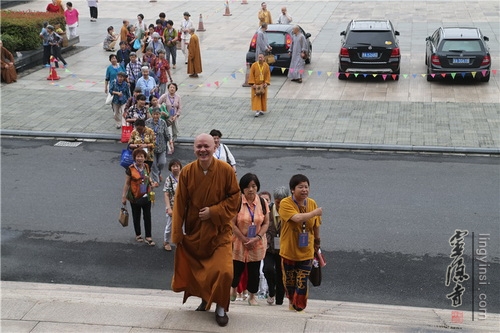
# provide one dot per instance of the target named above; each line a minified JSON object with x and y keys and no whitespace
{"x":461,"y":46}
{"x":378,"y":38}
{"x":276,"y":38}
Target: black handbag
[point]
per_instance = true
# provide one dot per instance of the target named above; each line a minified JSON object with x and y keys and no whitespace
{"x":315,"y":275}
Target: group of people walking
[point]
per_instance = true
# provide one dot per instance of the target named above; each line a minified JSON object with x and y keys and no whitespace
{"x":260,"y":72}
{"x":221,"y":227}
{"x":159,"y":38}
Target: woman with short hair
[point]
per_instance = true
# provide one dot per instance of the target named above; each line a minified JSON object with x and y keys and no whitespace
{"x":136,"y":190}
{"x":300,"y":239}
{"x":250,"y":243}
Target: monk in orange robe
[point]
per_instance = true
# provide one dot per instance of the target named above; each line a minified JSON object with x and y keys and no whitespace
{"x":206,"y":199}
{"x":9,"y":73}
{"x":260,"y":75}
{"x":194,"y":56}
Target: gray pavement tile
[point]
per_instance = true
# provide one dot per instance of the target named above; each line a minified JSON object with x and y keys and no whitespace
{"x":18,"y":326}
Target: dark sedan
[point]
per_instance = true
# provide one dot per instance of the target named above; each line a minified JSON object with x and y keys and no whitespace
{"x":280,"y":39}
{"x":458,"y":51}
{"x":369,"y":47}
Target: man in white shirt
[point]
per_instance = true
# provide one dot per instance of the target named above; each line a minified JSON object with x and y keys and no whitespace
{"x":222,"y":152}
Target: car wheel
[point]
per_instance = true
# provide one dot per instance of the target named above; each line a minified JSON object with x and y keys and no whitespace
{"x":485,"y":78}
{"x":397,"y":73}
{"x":429,"y":77}
{"x":341,"y":76}
{"x":308,"y":60}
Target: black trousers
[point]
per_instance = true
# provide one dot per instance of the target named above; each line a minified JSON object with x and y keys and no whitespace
{"x":56,"y":52}
{"x":93,"y":12}
{"x":142,"y":205}
{"x":46,"y":54}
{"x":253,"y":274}
{"x":274,"y":276}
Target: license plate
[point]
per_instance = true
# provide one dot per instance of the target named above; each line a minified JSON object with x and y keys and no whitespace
{"x":460,"y":60}
{"x":369,"y":54}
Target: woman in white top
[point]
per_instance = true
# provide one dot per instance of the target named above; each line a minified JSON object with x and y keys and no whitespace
{"x":222,"y":152}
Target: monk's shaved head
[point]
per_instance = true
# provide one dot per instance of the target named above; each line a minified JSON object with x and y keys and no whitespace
{"x":204,"y":148}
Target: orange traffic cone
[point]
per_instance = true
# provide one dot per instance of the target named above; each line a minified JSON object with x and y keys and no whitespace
{"x":244,"y":2}
{"x":52,"y":72}
{"x":247,"y":74}
{"x":200,"y":24}
{"x":227,"y":13}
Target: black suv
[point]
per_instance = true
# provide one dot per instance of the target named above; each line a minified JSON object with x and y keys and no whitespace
{"x":369,"y":47}
{"x":457,"y":51}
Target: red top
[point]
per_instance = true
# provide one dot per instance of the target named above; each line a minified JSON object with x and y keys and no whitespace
{"x":53,"y":8}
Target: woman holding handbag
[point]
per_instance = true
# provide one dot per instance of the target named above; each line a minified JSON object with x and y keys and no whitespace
{"x":137,"y":190}
{"x":300,"y":239}
{"x":250,"y":243}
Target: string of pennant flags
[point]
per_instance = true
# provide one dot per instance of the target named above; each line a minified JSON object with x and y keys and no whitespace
{"x":311,"y":73}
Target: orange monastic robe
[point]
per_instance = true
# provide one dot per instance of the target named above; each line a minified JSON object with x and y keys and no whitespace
{"x":203,"y":263}
{"x":194,"y":56}
{"x":259,"y":73}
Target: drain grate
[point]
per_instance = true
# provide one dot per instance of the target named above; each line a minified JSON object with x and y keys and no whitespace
{"x":67,"y":144}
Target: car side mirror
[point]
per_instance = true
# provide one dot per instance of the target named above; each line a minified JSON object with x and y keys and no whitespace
{"x":428,"y":38}
{"x":308,"y":35}
{"x":342,"y":33}
{"x":486,"y":39}
{"x":396,"y":33}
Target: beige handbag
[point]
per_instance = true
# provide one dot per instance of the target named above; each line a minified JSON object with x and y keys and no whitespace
{"x":260,"y":89}
{"x":269,"y":58}
{"x":123,"y":217}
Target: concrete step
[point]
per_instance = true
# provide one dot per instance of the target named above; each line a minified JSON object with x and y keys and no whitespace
{"x":37,"y":307}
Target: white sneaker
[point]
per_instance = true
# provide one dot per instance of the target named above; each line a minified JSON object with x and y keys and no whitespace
{"x":270,"y":300}
{"x":257,"y":113}
{"x":261,"y":113}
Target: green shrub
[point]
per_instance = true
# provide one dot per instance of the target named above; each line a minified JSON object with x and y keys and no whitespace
{"x":21,"y":29}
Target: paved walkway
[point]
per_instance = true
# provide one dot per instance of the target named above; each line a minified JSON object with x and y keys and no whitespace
{"x":36,"y":307}
{"x":376,"y":114}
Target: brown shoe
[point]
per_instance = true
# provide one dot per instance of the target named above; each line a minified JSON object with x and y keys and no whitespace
{"x":221,"y":321}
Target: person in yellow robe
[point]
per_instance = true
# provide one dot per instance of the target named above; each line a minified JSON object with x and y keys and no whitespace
{"x":264,"y":15}
{"x":9,"y":73}
{"x":259,"y":79}
{"x":206,"y":199}
{"x":194,"y":56}
{"x":300,"y":238}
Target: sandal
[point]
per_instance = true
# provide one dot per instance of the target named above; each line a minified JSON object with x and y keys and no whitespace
{"x":150,"y":242}
{"x":139,"y":239}
{"x":167,"y":247}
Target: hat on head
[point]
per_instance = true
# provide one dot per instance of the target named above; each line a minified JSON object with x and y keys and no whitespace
{"x":186,"y":14}
{"x":156,"y":35}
